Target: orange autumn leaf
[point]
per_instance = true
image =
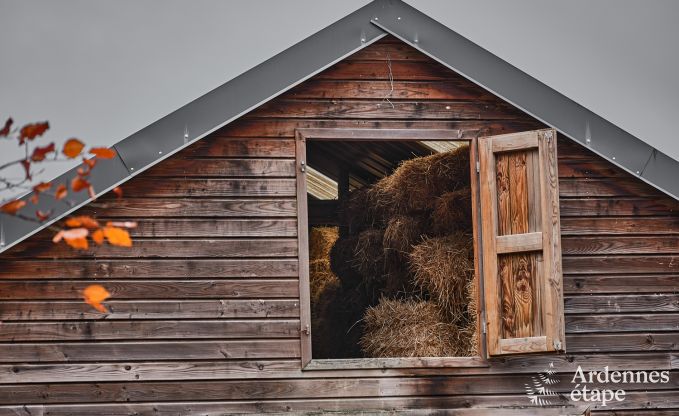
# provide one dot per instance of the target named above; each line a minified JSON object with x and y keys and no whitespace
{"x":42,"y":216}
{"x":72,"y":148}
{"x":31,"y":131}
{"x":94,"y":295}
{"x":78,"y":184}
{"x":12,"y":207}
{"x":61,"y":192}
{"x":103,"y":152}
{"x":6,"y":129}
{"x":118,"y":191}
{"x":40,"y":153}
{"x":82,"y":221}
{"x":117,"y":236}
{"x":35,"y":198}
{"x":75,"y":237}
{"x":98,"y":236}
{"x":90,"y":163}
{"x":42,"y":187}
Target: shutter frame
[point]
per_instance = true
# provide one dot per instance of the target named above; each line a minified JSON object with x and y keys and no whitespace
{"x":522,"y":273}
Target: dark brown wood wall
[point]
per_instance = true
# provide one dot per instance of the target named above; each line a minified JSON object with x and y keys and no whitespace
{"x":204,"y":313}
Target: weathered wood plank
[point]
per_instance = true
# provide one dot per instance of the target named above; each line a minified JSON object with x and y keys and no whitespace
{"x":504,"y":262}
{"x":589,"y":167}
{"x":623,"y":342}
{"x":272,"y":168}
{"x":604,"y":207}
{"x":583,"y":284}
{"x":160,"y":248}
{"x":183,"y":228}
{"x":130,"y":330}
{"x":344,"y":407}
{"x":278,"y":389}
{"x":364,"y":109}
{"x":150,"y":351}
{"x":258,"y":127}
{"x":450,"y":89}
{"x":631,"y":226}
{"x":523,"y":275}
{"x":173,"y":207}
{"x":150,"y":289}
{"x":219,"y":146}
{"x":659,"y":244}
{"x":147,"y":187}
{"x":55,"y":310}
{"x":622,"y":323}
{"x":620,"y":264}
{"x":660,"y":302}
{"x":585,"y":187}
{"x":158,"y":268}
{"x":399,"y":70}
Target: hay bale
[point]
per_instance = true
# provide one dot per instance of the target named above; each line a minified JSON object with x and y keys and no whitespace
{"x":320,"y":276}
{"x":410,"y":329}
{"x":452,"y":211}
{"x":402,"y":232}
{"x":321,"y":240}
{"x":336,"y":324}
{"x":369,"y":255}
{"x":342,"y":261}
{"x":441,"y":268}
{"x":413,"y":186}
{"x":358,"y":212}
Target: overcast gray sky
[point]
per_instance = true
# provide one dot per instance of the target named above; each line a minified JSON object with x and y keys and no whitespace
{"x":101,"y":70}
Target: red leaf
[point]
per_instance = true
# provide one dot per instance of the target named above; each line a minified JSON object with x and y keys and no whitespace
{"x":31,"y":131}
{"x":39,"y":153}
{"x":8,"y":126}
{"x":37,"y":189}
{"x":118,"y":191}
{"x":42,"y":187}
{"x":42,"y":216}
{"x":61,"y":192}
{"x":78,"y":184}
{"x":12,"y":206}
{"x":27,"y":168}
{"x":90,"y":163}
{"x":72,"y":148}
{"x":103,"y":152}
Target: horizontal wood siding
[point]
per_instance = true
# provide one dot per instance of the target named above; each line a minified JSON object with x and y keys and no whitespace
{"x":205,"y":307}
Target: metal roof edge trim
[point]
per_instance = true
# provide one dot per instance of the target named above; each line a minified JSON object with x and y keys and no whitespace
{"x":529,"y":95}
{"x":208,"y":113}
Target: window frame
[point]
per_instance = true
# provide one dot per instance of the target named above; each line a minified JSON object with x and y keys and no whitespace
{"x":342,"y":134}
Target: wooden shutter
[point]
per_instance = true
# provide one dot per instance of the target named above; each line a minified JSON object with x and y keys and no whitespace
{"x":521,"y":242}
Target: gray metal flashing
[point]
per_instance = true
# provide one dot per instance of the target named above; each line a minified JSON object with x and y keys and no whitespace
{"x":298,"y":63}
{"x":529,"y":95}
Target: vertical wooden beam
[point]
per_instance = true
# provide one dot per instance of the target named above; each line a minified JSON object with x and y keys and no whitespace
{"x":303,"y":249}
{"x":489,"y":229}
{"x":553,"y":288}
{"x":343,"y":194}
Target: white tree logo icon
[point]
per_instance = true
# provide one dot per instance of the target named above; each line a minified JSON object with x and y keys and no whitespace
{"x":538,"y":391}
